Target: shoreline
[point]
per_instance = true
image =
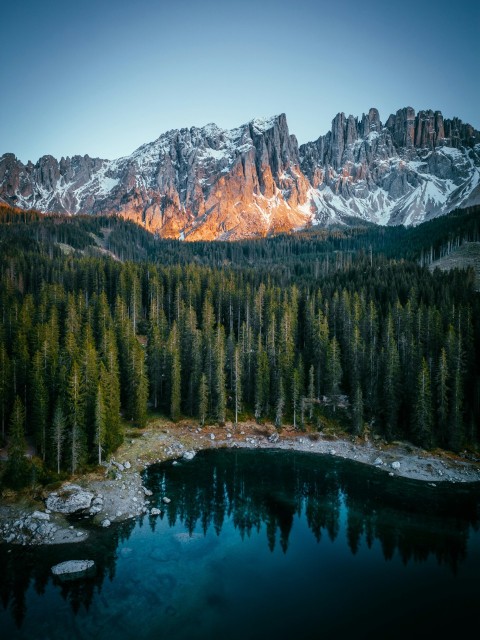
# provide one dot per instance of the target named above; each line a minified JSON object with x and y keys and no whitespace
{"x":116,"y":492}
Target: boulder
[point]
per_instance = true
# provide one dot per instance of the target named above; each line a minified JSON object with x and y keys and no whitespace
{"x":70,"y":499}
{"x":40,"y":515}
{"x":396,"y":465}
{"x":188,"y":455}
{"x":73,"y":569}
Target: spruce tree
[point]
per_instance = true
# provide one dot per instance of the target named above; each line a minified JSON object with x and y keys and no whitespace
{"x":101,"y":414}
{"x":423,"y":419}
{"x":58,"y":435}
{"x":237,"y":382}
{"x":5,"y":388}
{"x":75,"y":416}
{"x":39,"y":395}
{"x":220,"y":399}
{"x":175,"y":373}
{"x":279,"y":403}
{"x":357,"y":411}
{"x":442,"y":381}
{"x":262,"y":383}
{"x":203,"y":399}
{"x":17,"y":473}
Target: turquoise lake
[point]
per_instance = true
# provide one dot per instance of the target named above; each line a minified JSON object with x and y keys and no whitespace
{"x":263,"y":544}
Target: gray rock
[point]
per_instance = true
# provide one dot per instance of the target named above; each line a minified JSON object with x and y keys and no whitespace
{"x":274,"y":437}
{"x":396,"y":465}
{"x":166,"y":500}
{"x":188,"y":455}
{"x":155,"y":511}
{"x":378,"y":462}
{"x":70,"y":499}
{"x":73,"y":568}
{"x":40,"y":515}
{"x":106,"y":523}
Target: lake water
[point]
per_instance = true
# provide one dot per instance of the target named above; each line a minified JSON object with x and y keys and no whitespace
{"x":263,"y":544}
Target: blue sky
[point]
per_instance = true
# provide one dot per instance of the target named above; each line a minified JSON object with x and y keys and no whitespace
{"x":102,"y":77}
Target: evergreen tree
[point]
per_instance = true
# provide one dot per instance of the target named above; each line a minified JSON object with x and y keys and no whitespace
{"x":138,"y":385}
{"x":111,"y":385}
{"x":334,"y":371}
{"x":101,"y":414}
{"x":297,"y":392}
{"x":311,"y":391}
{"x":89,"y":374}
{"x":357,"y":411}
{"x":203,"y":399}
{"x":280,"y":404}
{"x":17,"y":469}
{"x":423,"y":418}
{"x":391,"y":383}
{"x":237,"y":383}
{"x":442,"y":395}
{"x":39,"y":395}
{"x":175,"y":375}
{"x":262,"y":383}
{"x":5,"y":387}
{"x":220,"y":400}
{"x":58,"y":435}
{"x":75,"y":417}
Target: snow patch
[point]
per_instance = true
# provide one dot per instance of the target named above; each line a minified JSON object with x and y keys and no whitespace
{"x":264,"y":124}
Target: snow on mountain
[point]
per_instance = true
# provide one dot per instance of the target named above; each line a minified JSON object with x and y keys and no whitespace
{"x":209,"y":183}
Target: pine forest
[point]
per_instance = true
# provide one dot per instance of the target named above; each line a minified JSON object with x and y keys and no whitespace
{"x":102,"y":324}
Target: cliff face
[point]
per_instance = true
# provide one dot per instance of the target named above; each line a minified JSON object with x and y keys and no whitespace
{"x":413,"y":168}
{"x":209,"y":183}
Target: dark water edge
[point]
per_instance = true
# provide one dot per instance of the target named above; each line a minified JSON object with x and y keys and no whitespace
{"x":256,"y":544}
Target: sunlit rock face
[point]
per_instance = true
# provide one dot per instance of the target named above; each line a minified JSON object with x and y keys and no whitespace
{"x":209,"y":183}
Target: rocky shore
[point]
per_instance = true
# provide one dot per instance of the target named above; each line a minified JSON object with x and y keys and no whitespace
{"x":115,"y":492}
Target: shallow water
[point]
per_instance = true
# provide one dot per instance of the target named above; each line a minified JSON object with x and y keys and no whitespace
{"x":260,"y":544}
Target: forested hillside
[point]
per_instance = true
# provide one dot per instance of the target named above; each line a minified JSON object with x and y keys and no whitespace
{"x":102,"y":322}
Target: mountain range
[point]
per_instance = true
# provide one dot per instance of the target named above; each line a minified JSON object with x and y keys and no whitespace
{"x":209,"y":183}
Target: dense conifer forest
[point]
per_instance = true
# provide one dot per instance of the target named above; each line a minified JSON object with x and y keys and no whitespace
{"x":102,"y":323}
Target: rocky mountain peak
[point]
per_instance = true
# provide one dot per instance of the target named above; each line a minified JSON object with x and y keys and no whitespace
{"x":208,"y":182}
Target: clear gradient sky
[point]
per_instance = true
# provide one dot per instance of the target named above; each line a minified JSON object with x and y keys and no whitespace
{"x":104,"y":76}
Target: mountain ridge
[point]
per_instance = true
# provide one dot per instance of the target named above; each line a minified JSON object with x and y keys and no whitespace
{"x":255,"y":180}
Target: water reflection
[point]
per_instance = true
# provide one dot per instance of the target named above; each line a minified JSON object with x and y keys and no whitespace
{"x":271,"y":487}
{"x":263,"y":493}
{"x":25,"y":568}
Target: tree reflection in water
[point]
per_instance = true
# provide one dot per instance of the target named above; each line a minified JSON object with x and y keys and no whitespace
{"x":265,"y":492}
{"x":271,"y":487}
